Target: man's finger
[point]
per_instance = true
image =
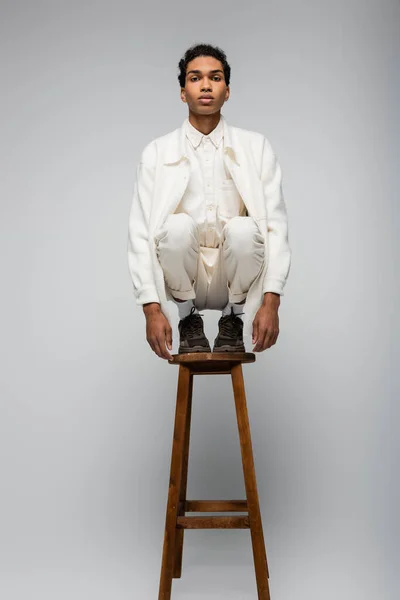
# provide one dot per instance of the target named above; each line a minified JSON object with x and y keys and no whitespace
{"x":150,"y":341}
{"x":160,"y":347}
{"x":169,"y":339}
{"x":157,"y":348}
{"x":267,"y":343}
{"x":166,"y":353}
{"x":274,"y":338}
{"x":255,"y":331}
{"x":163,"y":349}
{"x":260,"y":339}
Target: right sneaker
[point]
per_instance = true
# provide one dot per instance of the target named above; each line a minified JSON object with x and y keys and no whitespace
{"x":230,"y":334}
{"x":191,"y":334}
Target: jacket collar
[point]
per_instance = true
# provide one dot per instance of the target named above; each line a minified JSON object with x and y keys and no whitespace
{"x":176,"y":149}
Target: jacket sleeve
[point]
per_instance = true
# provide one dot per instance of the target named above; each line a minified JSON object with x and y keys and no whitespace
{"x":277,"y":223}
{"x":139,"y":256}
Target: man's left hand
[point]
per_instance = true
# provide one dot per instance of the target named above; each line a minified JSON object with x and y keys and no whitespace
{"x":266,"y":323}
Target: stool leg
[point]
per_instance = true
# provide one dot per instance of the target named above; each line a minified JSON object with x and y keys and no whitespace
{"x":178,"y":444}
{"x":183,"y":487}
{"x":256,"y":530}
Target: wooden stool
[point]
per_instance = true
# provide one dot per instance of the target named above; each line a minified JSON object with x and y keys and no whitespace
{"x":207,"y":363}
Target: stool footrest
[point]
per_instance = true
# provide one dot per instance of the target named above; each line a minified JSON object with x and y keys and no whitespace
{"x":215,"y":506}
{"x":241,"y":522}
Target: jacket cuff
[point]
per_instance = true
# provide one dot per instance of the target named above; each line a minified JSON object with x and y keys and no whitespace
{"x":147,"y":294}
{"x":274,"y":285}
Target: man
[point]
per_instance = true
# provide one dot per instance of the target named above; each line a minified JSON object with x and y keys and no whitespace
{"x":208,"y":225}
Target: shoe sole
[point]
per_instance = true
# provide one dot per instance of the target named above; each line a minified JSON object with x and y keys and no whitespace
{"x":194,"y":349}
{"x":229,"y":349}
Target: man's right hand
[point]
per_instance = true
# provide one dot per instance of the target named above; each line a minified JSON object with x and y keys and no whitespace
{"x":158,"y":330}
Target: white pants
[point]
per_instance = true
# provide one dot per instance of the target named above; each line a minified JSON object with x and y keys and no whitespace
{"x":186,"y":265}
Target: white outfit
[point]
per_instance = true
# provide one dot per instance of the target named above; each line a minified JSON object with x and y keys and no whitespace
{"x":163,"y":176}
{"x":203,"y":253}
{"x":238,"y":261}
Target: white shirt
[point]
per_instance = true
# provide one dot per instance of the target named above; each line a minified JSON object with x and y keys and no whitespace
{"x":211,"y":197}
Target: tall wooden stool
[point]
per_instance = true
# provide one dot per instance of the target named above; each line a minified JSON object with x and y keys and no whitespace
{"x":208,"y":363}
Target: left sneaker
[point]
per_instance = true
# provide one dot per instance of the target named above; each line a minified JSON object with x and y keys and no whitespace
{"x":191,"y":334}
{"x":230,"y":334}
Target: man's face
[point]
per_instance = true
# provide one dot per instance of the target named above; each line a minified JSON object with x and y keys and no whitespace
{"x":205,"y":76}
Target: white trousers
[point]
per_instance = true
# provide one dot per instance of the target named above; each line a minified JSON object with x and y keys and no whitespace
{"x":211,"y":276}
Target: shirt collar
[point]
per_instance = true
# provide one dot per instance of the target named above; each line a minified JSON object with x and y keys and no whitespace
{"x":196,"y":137}
{"x":176,"y":150}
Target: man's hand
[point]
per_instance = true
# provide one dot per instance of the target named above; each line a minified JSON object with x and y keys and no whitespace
{"x":266,"y":323}
{"x":158,"y":330}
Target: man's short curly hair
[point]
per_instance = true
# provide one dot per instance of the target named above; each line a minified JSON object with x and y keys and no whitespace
{"x":203,"y":50}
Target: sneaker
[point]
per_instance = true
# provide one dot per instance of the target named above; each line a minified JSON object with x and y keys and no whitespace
{"x":191,"y":334}
{"x":230,"y":335}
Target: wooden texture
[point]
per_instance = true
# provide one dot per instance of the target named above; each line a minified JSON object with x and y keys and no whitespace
{"x":170,"y":548}
{"x":216,"y":506}
{"x":178,"y":505}
{"x":182,"y":493}
{"x":256,"y":530}
{"x":213,"y":522}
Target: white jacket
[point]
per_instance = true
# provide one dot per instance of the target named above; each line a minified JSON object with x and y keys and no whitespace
{"x":161,"y":178}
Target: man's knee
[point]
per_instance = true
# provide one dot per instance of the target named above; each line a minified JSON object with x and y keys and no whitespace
{"x":242,"y":236}
{"x":178,"y":231}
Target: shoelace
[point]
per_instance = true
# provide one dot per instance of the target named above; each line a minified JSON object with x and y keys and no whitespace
{"x":192,"y":324}
{"x":231,"y":324}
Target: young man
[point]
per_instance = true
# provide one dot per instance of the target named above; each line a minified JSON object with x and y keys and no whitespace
{"x":208,"y":225}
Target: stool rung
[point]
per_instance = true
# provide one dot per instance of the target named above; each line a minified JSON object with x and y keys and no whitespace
{"x":213,"y":522}
{"x":215,"y":506}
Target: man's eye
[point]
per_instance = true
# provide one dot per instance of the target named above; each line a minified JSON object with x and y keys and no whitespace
{"x":195,"y":77}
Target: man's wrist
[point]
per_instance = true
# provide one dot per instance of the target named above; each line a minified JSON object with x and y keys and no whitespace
{"x":151,"y":307}
{"x":272,"y":299}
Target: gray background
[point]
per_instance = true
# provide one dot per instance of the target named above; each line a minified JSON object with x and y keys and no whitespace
{"x":87,"y":409}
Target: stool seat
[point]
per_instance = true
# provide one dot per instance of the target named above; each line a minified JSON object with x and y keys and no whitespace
{"x":178,"y":505}
{"x":208,"y":363}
